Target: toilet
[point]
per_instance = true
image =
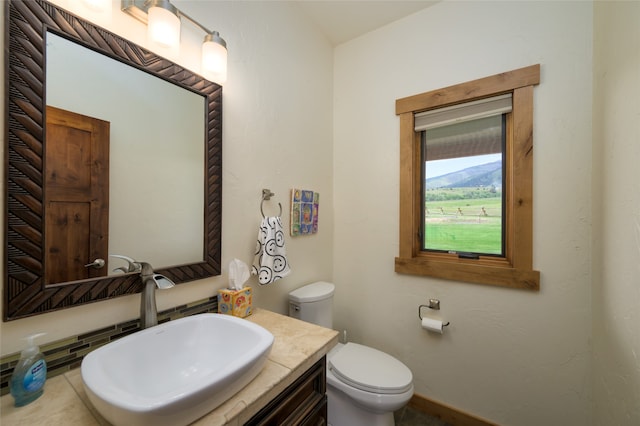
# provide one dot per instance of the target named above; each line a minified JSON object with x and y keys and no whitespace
{"x":364,"y":385}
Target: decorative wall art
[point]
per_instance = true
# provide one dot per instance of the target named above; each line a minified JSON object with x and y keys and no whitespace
{"x":304,"y":212}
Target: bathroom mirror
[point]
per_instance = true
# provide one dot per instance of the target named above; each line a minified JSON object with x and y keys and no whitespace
{"x":27,"y":290}
{"x":155,"y":172}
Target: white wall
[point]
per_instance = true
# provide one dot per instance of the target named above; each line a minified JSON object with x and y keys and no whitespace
{"x":510,"y":356}
{"x":616,"y":237}
{"x":276,"y":134}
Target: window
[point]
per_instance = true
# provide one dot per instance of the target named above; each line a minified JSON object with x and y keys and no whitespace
{"x":462,"y":160}
{"x":466,"y":173}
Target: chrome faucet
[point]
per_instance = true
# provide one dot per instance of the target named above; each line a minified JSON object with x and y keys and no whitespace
{"x":150,"y":280}
{"x":148,"y":308}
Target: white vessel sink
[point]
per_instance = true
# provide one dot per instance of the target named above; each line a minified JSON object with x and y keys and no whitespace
{"x":176,"y":372}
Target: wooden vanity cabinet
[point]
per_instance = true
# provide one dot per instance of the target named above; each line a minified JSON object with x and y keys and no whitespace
{"x":303,"y":403}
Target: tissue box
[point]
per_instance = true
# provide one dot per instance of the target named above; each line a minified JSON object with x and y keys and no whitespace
{"x":235,"y":302}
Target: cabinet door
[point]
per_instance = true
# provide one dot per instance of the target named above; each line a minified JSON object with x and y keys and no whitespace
{"x":319,"y":415}
{"x":303,"y":403}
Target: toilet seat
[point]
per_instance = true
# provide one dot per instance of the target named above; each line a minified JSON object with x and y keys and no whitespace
{"x":370,"y":370}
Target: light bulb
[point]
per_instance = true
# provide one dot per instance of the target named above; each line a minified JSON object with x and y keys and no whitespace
{"x":163,"y":27}
{"x":214,"y":58}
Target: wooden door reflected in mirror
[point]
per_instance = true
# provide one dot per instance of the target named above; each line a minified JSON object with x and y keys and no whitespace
{"x":77,"y":196}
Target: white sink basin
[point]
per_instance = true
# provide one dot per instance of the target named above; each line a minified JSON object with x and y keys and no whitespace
{"x":176,"y":372}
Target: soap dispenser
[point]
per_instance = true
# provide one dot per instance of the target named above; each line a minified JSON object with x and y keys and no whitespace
{"x":29,"y":375}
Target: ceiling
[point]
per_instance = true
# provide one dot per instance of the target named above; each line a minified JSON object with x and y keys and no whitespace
{"x":344,"y":20}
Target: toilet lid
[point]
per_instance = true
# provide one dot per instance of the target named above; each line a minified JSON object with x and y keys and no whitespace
{"x":370,"y":370}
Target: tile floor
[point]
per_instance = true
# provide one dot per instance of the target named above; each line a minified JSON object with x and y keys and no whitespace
{"x":408,"y":416}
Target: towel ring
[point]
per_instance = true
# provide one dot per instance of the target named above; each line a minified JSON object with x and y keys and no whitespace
{"x":266,"y":195}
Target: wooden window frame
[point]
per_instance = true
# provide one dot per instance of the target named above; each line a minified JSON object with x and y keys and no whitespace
{"x":515,"y":269}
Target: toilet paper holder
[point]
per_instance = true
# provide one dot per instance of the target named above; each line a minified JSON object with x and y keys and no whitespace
{"x":433,"y":304}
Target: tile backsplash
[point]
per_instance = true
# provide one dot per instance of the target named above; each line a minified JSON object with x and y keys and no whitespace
{"x":67,"y":354}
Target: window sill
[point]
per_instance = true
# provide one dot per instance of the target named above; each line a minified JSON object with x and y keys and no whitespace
{"x":479,"y":271}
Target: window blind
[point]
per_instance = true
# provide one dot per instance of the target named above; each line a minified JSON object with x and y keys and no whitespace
{"x":496,"y":105}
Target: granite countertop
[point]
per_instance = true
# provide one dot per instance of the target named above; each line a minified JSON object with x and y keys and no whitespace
{"x":296,"y":347}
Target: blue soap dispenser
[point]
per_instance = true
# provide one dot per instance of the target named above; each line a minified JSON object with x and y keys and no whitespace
{"x":29,"y":375}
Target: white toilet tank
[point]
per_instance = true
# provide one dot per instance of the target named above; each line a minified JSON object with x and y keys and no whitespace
{"x":313,"y":303}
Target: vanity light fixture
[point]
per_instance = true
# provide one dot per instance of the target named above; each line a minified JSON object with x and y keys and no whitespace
{"x":163,"y":22}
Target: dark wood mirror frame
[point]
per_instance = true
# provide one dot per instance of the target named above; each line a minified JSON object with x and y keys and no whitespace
{"x":25,"y":293}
